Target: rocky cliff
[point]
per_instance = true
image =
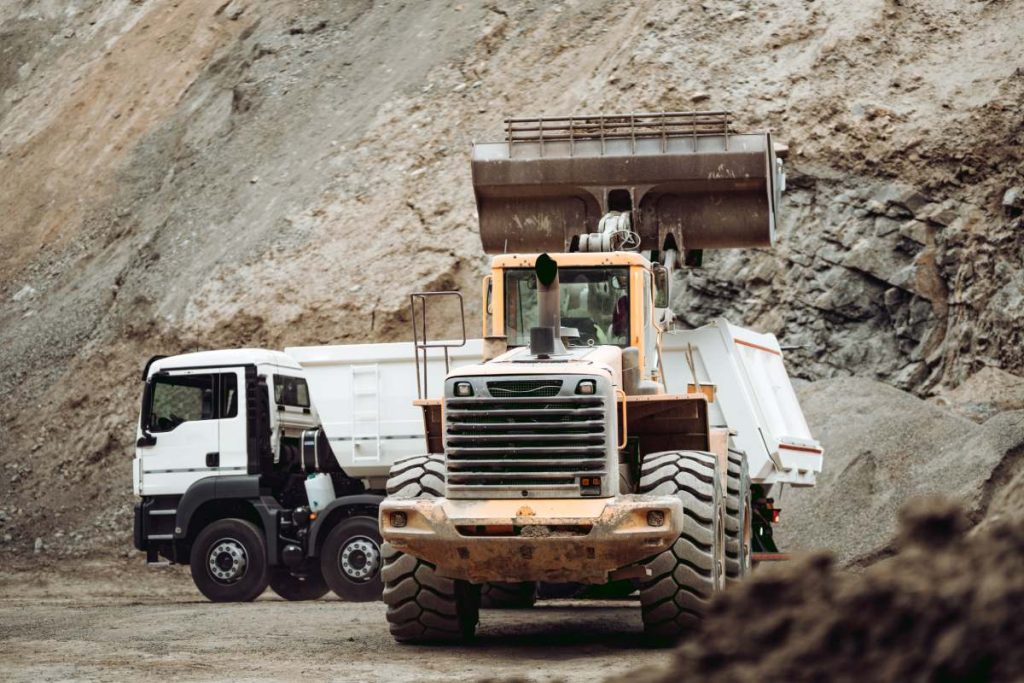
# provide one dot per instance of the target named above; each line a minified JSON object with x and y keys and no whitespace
{"x":197,"y":174}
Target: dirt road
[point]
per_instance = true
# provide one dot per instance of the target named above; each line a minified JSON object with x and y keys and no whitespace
{"x":154,"y":626}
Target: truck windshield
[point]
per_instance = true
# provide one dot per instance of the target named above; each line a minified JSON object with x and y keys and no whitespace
{"x":595,"y":301}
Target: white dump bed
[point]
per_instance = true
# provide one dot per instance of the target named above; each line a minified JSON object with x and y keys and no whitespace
{"x":753,"y":398}
{"x":364,"y":395}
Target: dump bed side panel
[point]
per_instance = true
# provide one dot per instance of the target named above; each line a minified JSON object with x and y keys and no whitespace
{"x":753,"y":396}
{"x":364,"y":394}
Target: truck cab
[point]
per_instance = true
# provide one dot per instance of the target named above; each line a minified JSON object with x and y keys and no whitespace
{"x":228,"y":448}
{"x":196,"y":419}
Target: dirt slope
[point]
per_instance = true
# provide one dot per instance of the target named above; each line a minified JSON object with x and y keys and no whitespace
{"x":204,"y":174}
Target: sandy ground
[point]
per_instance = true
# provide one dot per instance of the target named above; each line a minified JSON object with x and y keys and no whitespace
{"x":154,"y":626}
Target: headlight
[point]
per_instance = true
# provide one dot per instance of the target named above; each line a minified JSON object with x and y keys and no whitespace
{"x":463,"y":389}
{"x":587,"y":387}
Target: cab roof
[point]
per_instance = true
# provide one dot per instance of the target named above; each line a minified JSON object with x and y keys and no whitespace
{"x":223,"y":357}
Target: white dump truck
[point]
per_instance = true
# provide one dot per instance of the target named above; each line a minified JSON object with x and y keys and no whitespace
{"x":260,"y":467}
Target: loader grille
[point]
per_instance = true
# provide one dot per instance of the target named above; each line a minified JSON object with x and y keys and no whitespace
{"x":503,"y":445}
{"x":542,"y":387}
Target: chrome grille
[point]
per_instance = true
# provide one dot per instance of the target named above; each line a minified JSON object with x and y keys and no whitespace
{"x":539,"y":387}
{"x":539,"y":444}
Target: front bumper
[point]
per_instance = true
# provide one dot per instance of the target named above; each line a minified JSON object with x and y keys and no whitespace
{"x":558,"y":540}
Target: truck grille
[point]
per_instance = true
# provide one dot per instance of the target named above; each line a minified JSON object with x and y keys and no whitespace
{"x":523,"y":443}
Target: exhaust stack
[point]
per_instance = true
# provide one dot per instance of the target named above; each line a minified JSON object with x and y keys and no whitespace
{"x":545,"y":339}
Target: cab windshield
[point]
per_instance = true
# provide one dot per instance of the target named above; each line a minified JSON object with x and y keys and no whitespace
{"x":595,"y":301}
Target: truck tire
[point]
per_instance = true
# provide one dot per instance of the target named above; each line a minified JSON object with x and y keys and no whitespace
{"x":421,"y":605}
{"x":685,"y":576}
{"x":738,"y":519}
{"x":351,"y":559}
{"x":293,"y":588}
{"x":228,"y":561}
{"x":508,"y":595}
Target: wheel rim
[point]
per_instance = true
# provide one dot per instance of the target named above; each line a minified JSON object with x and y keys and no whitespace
{"x":359,"y":559}
{"x":227,"y":561}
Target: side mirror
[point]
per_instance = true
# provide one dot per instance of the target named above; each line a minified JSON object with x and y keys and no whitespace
{"x":146,"y":440}
{"x":661,"y":286}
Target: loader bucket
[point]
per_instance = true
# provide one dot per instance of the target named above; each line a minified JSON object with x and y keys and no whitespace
{"x":687,"y":179}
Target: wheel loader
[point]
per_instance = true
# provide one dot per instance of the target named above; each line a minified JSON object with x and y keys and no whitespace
{"x":593,"y":443}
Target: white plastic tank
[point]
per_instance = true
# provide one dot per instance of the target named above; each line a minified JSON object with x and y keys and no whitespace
{"x":319,"y":491}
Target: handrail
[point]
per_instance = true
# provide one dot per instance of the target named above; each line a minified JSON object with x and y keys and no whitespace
{"x":422,"y":345}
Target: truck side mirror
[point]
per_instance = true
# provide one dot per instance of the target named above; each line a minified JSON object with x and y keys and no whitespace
{"x":145,"y":417}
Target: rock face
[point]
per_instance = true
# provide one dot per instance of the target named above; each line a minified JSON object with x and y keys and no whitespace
{"x":880,"y":280}
{"x":883,"y":448}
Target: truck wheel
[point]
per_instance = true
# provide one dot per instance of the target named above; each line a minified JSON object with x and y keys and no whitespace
{"x":229,"y":561}
{"x":685,"y":576}
{"x":508,"y":595}
{"x":424,"y":607}
{"x":350,"y":560}
{"x":292,"y":588}
{"x":737,"y":518}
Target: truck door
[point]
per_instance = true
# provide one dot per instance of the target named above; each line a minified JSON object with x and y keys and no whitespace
{"x":181,"y":415}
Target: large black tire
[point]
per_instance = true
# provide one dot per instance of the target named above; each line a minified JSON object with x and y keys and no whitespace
{"x":424,"y":607}
{"x":310,"y":586}
{"x":738,"y":519}
{"x":508,"y":595}
{"x":687,"y":575}
{"x":229,"y":561}
{"x":351,"y":559}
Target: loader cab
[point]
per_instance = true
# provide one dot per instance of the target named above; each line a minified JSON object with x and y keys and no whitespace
{"x":217,"y":413}
{"x":608,"y":298}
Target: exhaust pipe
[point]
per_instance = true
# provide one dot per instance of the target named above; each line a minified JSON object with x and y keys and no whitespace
{"x":545,"y":339}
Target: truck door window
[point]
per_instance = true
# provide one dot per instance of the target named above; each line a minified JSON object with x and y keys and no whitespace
{"x":228,"y":395}
{"x":291,"y":391}
{"x":594,"y":300}
{"x":180,"y":398}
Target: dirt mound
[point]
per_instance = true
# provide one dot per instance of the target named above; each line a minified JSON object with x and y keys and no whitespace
{"x":882,"y":448}
{"x":946,"y":608}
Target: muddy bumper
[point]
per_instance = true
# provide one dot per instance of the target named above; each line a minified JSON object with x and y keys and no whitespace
{"x":540,"y":540}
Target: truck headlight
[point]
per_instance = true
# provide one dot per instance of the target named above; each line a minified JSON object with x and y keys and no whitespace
{"x":463,"y":389}
{"x":587,"y":387}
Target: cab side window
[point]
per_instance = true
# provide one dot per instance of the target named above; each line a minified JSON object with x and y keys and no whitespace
{"x":179,"y":399}
{"x":291,"y":391}
{"x":189,"y":398}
